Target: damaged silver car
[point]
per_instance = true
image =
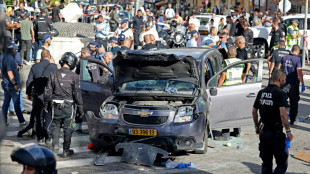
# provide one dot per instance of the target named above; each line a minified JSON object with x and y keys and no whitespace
{"x":168,"y":98}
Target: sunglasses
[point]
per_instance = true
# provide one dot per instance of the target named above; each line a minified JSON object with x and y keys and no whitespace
{"x":221,"y":37}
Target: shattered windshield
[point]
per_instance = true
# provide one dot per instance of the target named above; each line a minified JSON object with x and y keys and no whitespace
{"x":159,"y":86}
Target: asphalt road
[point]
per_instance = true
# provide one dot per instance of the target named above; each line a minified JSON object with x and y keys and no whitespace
{"x":241,"y":157}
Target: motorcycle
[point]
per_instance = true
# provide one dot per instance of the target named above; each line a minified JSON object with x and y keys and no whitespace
{"x":176,"y":36}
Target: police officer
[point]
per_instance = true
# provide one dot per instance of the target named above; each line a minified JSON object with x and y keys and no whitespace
{"x":292,"y":67}
{"x":249,"y":39}
{"x":276,"y":58}
{"x":36,"y":159}
{"x":242,"y":54}
{"x":276,"y":34}
{"x":11,"y":84}
{"x":36,"y":82}
{"x":148,"y":43}
{"x":61,"y":94}
{"x":92,"y":47}
{"x":271,"y":102}
{"x":137,"y":23}
{"x":42,"y":26}
{"x":102,"y":30}
{"x":192,"y":42}
{"x":293,"y":34}
{"x":126,"y":45}
{"x":232,"y":76}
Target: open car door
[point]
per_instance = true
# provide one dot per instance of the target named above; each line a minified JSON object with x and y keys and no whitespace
{"x":93,"y":93}
{"x":231,"y":106}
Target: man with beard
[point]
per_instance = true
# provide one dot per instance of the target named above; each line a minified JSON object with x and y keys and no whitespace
{"x":47,"y":41}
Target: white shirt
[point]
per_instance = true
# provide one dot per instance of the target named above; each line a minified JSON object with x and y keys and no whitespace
{"x":169,"y":13}
{"x":196,"y":22}
{"x":151,"y":31}
{"x":128,"y":33}
{"x":40,"y":51}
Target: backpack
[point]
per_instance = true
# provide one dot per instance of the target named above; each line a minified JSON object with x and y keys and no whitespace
{"x":38,"y":84}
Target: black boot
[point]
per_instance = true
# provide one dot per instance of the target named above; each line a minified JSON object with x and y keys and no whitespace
{"x":24,"y":130}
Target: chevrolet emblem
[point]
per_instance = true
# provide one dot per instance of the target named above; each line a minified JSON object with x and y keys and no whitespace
{"x":144,"y":113}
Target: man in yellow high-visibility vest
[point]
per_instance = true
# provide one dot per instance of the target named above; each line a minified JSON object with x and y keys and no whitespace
{"x":293,"y":34}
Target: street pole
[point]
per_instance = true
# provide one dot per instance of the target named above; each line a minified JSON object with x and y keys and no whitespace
{"x":304,"y":40}
{"x":284,"y":13}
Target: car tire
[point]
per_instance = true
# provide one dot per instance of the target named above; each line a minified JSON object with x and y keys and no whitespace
{"x":259,"y":49}
{"x":204,"y":149}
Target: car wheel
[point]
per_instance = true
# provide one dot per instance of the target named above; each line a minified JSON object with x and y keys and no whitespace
{"x":204,"y":149}
{"x":259,"y":49}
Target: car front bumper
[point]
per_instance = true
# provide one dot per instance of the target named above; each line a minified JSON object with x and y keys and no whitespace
{"x":185,"y":136}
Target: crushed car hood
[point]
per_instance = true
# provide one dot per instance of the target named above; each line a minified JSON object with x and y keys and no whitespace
{"x":153,"y":65}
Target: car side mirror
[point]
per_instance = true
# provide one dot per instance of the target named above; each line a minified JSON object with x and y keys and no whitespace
{"x":213,"y":91}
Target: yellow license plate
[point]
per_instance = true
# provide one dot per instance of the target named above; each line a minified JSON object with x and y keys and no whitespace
{"x":143,"y":132}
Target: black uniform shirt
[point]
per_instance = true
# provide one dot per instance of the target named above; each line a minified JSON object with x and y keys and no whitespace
{"x":268,"y":101}
{"x":275,"y":36}
{"x":277,"y":56}
{"x":55,"y":14}
{"x":243,"y":55}
{"x":39,"y":70}
{"x":248,"y":35}
{"x":149,"y":46}
{"x":64,"y":84}
{"x":42,"y":26}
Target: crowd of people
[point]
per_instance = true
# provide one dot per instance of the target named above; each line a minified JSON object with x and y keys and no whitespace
{"x":54,"y":92}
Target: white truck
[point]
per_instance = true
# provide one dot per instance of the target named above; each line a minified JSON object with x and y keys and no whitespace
{"x":260,"y":34}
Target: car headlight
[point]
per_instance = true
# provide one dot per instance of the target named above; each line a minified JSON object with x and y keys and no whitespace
{"x":184,"y":114}
{"x":109,"y":111}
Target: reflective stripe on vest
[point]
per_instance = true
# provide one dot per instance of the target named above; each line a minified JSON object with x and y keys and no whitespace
{"x":289,"y":38}
{"x":233,"y":74}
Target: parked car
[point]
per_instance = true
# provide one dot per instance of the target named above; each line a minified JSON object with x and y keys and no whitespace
{"x":261,"y":34}
{"x":301,"y":18}
{"x":167,"y":98}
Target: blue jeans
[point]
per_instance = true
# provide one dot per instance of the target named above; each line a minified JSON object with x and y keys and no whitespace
{"x":11,"y":93}
{"x":21,"y":103}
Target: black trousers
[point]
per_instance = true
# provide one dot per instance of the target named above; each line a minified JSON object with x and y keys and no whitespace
{"x":37,"y":113}
{"x":47,"y":127}
{"x":62,"y":119}
{"x":293,"y":94}
{"x":272,"y":144}
{"x":136,"y":39}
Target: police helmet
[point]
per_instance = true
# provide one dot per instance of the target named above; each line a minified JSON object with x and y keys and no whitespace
{"x":36,"y":156}
{"x":54,"y":32}
{"x":174,"y":23}
{"x":68,"y":58}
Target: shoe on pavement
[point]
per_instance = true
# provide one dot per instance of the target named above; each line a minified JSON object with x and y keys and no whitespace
{"x":25,"y":112}
{"x":11,"y":113}
{"x":19,"y":134}
{"x":27,"y":63}
{"x":67,"y":154}
{"x":292,"y":123}
{"x":56,"y":149}
{"x":40,"y":141}
{"x":23,"y":124}
{"x":48,"y":142}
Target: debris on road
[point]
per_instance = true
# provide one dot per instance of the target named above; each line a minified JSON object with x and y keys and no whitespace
{"x":303,"y":156}
{"x":139,"y":153}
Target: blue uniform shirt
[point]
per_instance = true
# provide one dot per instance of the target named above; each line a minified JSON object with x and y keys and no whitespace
{"x":100,"y":56}
{"x":9,"y":64}
{"x":290,"y":63}
{"x":113,"y":50}
{"x":103,"y":31}
{"x":191,"y":43}
{"x":111,"y":67}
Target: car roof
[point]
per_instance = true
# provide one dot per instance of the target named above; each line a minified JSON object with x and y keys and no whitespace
{"x":293,"y":16}
{"x":179,"y":52}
